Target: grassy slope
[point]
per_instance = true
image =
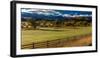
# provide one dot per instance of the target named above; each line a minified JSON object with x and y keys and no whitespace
{"x":29,"y":36}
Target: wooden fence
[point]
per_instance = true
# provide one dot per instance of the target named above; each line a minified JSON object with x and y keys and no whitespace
{"x":53,"y":43}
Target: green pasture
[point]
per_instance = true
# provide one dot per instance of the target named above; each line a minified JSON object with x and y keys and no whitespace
{"x":46,"y":34}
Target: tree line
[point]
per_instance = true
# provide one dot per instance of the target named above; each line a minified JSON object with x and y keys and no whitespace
{"x":70,"y":22}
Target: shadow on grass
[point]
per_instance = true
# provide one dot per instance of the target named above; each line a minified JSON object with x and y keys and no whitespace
{"x":57,"y":29}
{"x":51,"y":30}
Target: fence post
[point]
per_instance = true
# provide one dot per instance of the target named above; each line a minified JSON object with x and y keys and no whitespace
{"x":47,"y":44}
{"x":33,"y":46}
{"x":59,"y":44}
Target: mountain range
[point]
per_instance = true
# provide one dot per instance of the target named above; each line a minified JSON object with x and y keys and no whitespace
{"x":28,"y":13}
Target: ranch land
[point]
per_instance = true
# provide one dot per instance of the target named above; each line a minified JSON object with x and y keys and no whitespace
{"x":49,"y":34}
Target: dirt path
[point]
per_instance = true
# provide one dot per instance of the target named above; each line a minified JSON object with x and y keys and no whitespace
{"x":85,"y":41}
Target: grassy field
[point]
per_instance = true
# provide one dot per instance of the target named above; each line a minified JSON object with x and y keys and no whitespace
{"x":46,"y":34}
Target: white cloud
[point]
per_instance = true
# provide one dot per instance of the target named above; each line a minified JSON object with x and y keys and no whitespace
{"x":85,"y":15}
{"x":23,"y":10}
{"x":81,"y":15}
{"x":28,"y":10}
{"x":42,"y":11}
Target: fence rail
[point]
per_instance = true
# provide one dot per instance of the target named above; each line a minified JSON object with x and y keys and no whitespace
{"x":53,"y":43}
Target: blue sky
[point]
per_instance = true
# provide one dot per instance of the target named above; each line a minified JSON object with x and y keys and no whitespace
{"x":31,"y":12}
